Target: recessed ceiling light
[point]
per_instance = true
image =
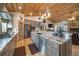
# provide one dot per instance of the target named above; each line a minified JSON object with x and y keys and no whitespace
{"x":69,"y":19}
{"x":45,"y":15}
{"x":49,"y":14}
{"x":40,"y":14}
{"x":20,"y":7}
{"x":47,"y":10}
{"x":30,"y":14}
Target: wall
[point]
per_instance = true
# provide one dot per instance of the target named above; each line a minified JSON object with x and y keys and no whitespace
{"x":74,"y":24}
{"x":16,"y":17}
{"x":35,"y":21}
{"x":15,"y":21}
{"x":5,"y":9}
{"x":33,"y":18}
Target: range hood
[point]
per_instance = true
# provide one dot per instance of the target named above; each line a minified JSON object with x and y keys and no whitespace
{"x":4,"y":19}
{"x":5,"y":15}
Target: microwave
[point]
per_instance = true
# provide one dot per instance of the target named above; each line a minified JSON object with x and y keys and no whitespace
{"x":50,"y":27}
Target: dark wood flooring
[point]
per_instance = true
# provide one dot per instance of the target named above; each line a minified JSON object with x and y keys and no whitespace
{"x":31,"y":50}
{"x":20,"y":51}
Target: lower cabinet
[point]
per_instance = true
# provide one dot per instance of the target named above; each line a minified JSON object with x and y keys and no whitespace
{"x":35,"y":39}
{"x":54,"y":49}
{"x":8,"y":50}
{"x":51,"y":48}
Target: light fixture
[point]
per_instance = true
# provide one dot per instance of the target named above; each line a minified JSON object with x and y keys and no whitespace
{"x":44,"y":21}
{"x":48,"y":14}
{"x":47,"y":10}
{"x":45,"y":15}
{"x":72,"y":18}
{"x":30,"y":14}
{"x":20,"y":7}
{"x":40,"y":14}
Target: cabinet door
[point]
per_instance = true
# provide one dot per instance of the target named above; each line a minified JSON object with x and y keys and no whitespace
{"x":35,"y":39}
{"x":5,"y":51}
{"x":55,"y":45}
{"x":52,"y":48}
{"x":48,"y":52}
{"x":54,"y":51}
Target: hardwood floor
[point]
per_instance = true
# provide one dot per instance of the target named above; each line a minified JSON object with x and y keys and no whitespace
{"x":75,"y":50}
{"x":28,"y":41}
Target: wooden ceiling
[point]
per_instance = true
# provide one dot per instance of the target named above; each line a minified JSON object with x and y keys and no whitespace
{"x":59,"y":11}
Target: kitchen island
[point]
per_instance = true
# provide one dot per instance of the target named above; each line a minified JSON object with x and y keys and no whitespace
{"x":8,"y":44}
{"x":50,"y":45}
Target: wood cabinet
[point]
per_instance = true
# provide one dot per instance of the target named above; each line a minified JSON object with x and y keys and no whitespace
{"x":54,"y":49}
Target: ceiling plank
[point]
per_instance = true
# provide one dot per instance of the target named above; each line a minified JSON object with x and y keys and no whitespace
{"x":59,"y":11}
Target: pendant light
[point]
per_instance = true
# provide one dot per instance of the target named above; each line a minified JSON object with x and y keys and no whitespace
{"x":72,"y":18}
{"x":44,"y":21}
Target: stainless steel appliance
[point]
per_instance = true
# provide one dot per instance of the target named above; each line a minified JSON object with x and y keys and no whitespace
{"x":4,"y":18}
{"x":42,"y":45}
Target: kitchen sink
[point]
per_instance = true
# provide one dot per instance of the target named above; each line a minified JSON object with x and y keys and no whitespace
{"x":39,"y":33}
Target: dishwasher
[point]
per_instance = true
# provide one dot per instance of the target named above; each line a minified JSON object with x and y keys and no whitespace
{"x":42,"y":45}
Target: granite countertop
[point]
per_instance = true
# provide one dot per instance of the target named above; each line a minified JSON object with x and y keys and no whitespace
{"x":49,"y":36}
{"x":4,"y":41}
